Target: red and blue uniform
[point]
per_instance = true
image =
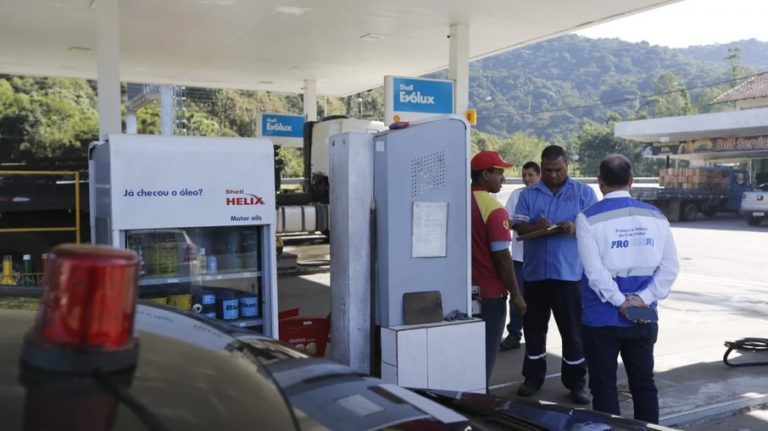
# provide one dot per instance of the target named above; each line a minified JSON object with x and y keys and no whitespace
{"x":490,"y":233}
{"x":490,"y":230}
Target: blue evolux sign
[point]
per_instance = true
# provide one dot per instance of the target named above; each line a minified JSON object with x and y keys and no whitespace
{"x":279,"y":125}
{"x":422,"y":95}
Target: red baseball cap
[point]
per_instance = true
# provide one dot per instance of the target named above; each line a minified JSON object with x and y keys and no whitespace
{"x":488,"y":159}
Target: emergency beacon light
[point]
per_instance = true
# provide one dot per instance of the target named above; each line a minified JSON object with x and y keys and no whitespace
{"x":86,"y":316}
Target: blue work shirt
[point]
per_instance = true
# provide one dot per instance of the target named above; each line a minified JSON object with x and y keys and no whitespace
{"x":555,"y":256}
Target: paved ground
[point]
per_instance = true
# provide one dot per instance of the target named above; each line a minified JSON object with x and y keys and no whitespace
{"x":720,"y":295}
{"x":752,"y":420}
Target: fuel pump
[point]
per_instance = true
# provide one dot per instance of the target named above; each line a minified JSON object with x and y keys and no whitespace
{"x":401,"y":231}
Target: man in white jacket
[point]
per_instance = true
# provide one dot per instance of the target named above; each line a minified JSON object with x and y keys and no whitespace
{"x":630,"y":260}
{"x":531,"y":175}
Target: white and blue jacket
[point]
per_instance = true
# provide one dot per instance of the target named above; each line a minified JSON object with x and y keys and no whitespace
{"x":626,"y":247}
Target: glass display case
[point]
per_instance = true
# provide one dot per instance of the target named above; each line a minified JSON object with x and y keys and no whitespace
{"x":200,"y":213}
{"x":214,"y":271}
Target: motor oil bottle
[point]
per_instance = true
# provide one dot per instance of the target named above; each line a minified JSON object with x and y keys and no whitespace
{"x":26,"y":278}
{"x":8,"y":277}
{"x":202,"y":261}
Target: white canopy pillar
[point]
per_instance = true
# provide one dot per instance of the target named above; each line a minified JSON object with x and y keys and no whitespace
{"x":458,"y":66}
{"x":130,"y":122}
{"x":167,"y":114}
{"x":310,"y":99}
{"x":108,"y":74}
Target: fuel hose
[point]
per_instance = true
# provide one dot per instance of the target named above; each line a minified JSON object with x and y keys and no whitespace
{"x":751,"y":345}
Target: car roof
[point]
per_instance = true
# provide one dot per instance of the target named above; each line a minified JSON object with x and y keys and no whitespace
{"x":188,"y":384}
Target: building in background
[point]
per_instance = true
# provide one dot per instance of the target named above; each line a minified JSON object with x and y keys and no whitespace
{"x":738,"y":138}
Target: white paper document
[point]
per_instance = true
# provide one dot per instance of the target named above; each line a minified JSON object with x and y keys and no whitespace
{"x":430,"y":229}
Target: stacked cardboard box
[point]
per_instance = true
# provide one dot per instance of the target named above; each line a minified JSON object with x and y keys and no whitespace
{"x":694,"y":178}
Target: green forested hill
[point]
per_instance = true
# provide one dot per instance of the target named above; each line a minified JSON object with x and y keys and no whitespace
{"x":753,"y":53}
{"x":547,"y":89}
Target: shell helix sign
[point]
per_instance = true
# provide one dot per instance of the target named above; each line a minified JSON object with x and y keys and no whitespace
{"x":417,"y":98}
{"x":282,"y":129}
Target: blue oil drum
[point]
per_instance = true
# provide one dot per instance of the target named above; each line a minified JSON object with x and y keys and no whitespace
{"x":249,"y":306}
{"x":227,"y":306}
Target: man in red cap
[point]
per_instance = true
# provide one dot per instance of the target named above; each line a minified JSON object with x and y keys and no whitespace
{"x":492,"y":268}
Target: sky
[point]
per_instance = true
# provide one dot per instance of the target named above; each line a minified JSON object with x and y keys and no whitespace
{"x":690,"y":22}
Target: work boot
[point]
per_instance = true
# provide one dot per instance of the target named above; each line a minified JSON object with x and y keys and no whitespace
{"x":511,"y":342}
{"x":580,"y":396}
{"x":527,"y":389}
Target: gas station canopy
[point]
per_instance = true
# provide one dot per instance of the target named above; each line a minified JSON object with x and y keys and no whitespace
{"x":748,"y":122}
{"x":274,"y":45}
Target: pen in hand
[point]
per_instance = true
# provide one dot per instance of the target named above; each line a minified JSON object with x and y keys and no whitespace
{"x":543,"y":220}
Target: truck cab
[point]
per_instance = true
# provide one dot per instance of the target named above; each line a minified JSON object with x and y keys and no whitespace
{"x":308,"y":211}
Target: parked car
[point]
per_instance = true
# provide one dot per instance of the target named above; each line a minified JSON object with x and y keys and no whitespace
{"x":754,"y":204}
{"x":83,"y":356}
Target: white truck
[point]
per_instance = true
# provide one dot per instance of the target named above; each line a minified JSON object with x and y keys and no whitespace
{"x":754,"y":205}
{"x":308,"y":211}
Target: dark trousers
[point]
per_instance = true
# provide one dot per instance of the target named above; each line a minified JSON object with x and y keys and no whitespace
{"x":494,"y":313}
{"x":515,"y":325}
{"x":602,"y":346}
{"x":563,"y":299}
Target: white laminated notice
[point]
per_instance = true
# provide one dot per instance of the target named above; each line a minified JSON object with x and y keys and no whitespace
{"x":429,"y":228}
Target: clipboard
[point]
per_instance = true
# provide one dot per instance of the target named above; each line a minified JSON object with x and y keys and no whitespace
{"x":551,"y":230}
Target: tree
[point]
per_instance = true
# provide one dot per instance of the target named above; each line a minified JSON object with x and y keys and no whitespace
{"x":670,"y":97}
{"x":293,"y":162}
{"x":483,"y":141}
{"x":46,"y":118}
{"x":595,"y":141}
{"x":517,"y":149}
{"x":520,"y":148}
{"x":734,"y":61}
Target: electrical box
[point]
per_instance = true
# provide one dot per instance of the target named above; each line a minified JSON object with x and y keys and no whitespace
{"x":421,"y":190}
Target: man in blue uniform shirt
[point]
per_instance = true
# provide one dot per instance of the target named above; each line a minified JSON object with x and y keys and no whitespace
{"x":552,"y":272}
{"x":630,"y":260}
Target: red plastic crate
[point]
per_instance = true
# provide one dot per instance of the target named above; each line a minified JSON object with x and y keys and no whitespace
{"x":288,"y":312}
{"x":309,"y":334}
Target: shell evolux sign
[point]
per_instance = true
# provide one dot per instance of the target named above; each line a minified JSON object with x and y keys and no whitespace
{"x":417,"y":98}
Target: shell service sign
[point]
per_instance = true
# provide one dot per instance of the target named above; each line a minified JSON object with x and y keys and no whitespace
{"x":708,"y":145}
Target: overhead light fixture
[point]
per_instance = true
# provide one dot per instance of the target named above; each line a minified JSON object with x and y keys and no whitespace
{"x":264,"y":82}
{"x":292,"y":10}
{"x":371,"y":36}
{"x":79,"y":49}
{"x":663,"y":139}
